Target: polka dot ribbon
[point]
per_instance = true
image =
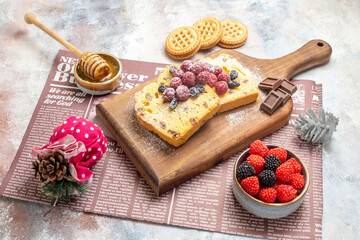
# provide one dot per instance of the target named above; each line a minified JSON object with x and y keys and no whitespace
{"x":80,"y":141}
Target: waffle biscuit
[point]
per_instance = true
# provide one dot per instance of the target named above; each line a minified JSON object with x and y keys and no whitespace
{"x":210,"y":30}
{"x":174,"y":126}
{"x":235,"y":34}
{"x":183,"y":41}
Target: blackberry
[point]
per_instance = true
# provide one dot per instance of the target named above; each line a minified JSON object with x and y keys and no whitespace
{"x":173,"y":103}
{"x":200,"y":87}
{"x":245,"y":170}
{"x":194,"y":92}
{"x":267,"y":178}
{"x":233,"y":74}
{"x":172,"y":68}
{"x":272,"y":163}
{"x":233,"y":84}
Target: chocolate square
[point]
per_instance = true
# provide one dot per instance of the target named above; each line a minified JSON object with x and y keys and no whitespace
{"x":271,"y":102}
{"x":284,"y":95}
{"x":269,"y":84}
{"x":288,"y":87}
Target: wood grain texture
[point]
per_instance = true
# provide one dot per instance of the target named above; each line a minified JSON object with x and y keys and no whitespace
{"x":164,"y":166}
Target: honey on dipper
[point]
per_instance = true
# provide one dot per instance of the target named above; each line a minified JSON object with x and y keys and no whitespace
{"x":95,"y":73}
{"x":106,"y":74}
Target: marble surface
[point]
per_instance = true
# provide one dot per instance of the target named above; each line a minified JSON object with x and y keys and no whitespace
{"x":137,"y":30}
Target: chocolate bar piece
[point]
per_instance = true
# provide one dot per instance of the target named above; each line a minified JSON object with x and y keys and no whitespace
{"x":269,"y":84}
{"x":271,"y":102}
{"x":288,"y":87}
{"x":284,"y":95}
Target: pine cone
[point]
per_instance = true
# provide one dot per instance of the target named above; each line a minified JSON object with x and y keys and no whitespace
{"x":316,"y":128}
{"x":51,"y":167}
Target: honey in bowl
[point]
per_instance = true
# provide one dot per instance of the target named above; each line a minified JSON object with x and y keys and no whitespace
{"x":114,"y":69}
{"x":105,"y":85}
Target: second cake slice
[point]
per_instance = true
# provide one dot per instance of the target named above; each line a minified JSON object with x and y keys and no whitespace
{"x":177,"y":125}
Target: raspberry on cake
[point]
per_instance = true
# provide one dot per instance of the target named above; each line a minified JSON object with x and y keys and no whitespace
{"x":238,"y":92}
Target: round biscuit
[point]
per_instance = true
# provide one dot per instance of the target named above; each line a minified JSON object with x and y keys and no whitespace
{"x":182,"y":41}
{"x":235,"y":32}
{"x":210,"y":30}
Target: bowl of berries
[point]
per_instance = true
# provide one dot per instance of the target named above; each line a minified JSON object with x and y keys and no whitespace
{"x":270,"y":181}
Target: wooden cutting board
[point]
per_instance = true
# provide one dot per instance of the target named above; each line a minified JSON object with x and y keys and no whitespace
{"x":164,"y":166}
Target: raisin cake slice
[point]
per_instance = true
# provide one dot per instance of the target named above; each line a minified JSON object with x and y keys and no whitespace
{"x":174,"y":126}
{"x":246,"y":93}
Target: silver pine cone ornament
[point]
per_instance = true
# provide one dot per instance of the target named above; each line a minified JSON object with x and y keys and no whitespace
{"x":316,"y":128}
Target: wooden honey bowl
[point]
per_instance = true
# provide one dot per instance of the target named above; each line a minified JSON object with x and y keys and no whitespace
{"x":105,"y":85}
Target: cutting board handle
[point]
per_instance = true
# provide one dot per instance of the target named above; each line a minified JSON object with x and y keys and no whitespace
{"x":312,"y":54}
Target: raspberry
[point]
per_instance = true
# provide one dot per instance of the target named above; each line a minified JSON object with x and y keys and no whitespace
{"x":245,"y":170}
{"x":217,"y":70}
{"x":278,"y":182}
{"x":203,"y":77}
{"x":175,"y":83}
{"x":259,"y":148}
{"x":221,"y":88}
{"x":224,"y":76}
{"x":284,"y":172}
{"x":286,"y":193}
{"x":257,"y":162}
{"x":198,"y":67}
{"x":212,"y":80}
{"x":210,"y":68}
{"x":169,"y":94}
{"x":233,"y":74}
{"x":189,"y":79}
{"x":251,"y":185}
{"x":297,"y":181}
{"x":178,"y":73}
{"x":182,"y":93}
{"x":271,"y":163}
{"x":267,"y":178}
{"x":281,"y":153}
{"x":186,"y":65}
{"x":297,"y":166}
{"x":172,"y":68}
{"x":268,"y":195}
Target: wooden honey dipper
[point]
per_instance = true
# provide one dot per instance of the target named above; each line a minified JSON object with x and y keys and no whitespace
{"x":92,"y":64}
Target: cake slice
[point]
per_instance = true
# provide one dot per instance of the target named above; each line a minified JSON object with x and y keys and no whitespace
{"x":174,"y":126}
{"x":246,"y":93}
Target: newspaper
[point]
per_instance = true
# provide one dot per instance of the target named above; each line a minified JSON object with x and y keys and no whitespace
{"x":204,"y":202}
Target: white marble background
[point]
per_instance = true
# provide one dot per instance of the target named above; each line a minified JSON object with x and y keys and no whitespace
{"x":137,"y":30}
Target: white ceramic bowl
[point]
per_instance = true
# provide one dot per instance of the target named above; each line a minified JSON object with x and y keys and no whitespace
{"x":263,"y":209}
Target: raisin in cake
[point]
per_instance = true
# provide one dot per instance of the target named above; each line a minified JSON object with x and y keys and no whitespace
{"x":177,"y":125}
